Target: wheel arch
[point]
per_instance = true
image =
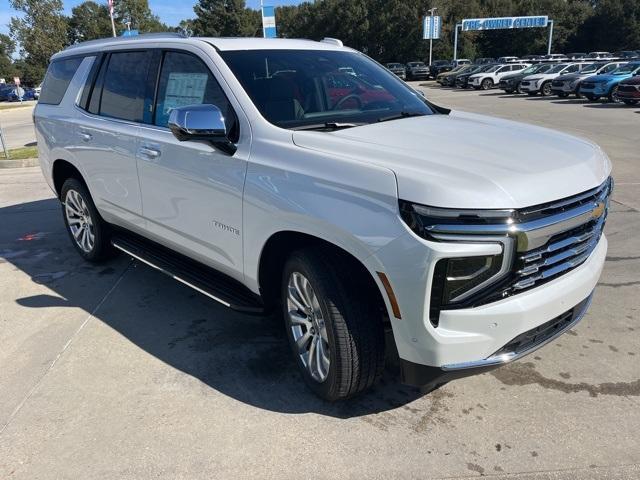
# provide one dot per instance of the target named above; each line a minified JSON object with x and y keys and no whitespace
{"x":63,"y":170}
{"x":277,"y":249}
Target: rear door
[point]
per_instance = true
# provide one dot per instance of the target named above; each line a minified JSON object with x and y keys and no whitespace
{"x":108,"y":134}
{"x":191,"y":191}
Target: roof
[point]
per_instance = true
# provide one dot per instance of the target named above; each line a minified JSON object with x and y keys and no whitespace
{"x":221,"y":43}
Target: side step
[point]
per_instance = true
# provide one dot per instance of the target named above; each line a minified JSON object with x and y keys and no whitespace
{"x":203,"y":279}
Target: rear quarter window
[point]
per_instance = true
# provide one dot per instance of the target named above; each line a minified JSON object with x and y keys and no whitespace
{"x":57,"y":79}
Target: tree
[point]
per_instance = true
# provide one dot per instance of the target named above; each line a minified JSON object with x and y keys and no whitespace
{"x":41,"y":32}
{"x":139,"y":14}
{"x":225,"y":18}
{"x":89,"y":21}
{"x":7,"y":47}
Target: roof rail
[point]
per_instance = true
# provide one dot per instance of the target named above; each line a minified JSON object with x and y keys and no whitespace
{"x":144,"y":36}
{"x":333,"y":41}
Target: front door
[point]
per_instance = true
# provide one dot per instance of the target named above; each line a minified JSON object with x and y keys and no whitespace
{"x":191,"y":191}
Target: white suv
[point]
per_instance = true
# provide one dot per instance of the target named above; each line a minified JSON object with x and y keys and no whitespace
{"x":541,"y":82}
{"x":491,"y":78}
{"x":262,"y":175}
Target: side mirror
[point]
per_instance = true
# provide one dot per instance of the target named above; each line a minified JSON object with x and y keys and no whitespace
{"x":201,"y":122}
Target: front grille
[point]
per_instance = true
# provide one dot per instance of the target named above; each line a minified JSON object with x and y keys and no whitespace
{"x":525,"y":84}
{"x":532,"y":338}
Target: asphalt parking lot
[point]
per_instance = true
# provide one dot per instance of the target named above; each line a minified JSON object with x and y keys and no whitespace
{"x":116,"y":371}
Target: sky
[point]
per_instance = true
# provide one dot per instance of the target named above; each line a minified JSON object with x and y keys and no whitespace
{"x":169,"y":11}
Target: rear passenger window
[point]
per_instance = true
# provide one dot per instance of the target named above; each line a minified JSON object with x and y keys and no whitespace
{"x":186,"y":80}
{"x":57,"y":79}
{"x":124,"y":86}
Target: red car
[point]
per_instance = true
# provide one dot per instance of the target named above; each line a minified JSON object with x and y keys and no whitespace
{"x":349,"y":91}
{"x":629,"y":90}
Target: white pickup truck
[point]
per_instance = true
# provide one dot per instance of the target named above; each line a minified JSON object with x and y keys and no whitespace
{"x":305,"y":177}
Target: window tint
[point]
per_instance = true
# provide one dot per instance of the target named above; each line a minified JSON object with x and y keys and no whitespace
{"x":186,"y":80}
{"x":124,"y":87}
{"x":57,"y":79}
{"x":572,"y":68}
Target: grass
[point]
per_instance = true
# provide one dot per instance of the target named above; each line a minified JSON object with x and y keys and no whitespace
{"x":20,"y":153}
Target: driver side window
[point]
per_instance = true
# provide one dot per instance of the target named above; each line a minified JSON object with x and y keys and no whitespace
{"x":186,"y":80}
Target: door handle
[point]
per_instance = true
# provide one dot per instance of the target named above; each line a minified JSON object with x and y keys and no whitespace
{"x":86,"y":137}
{"x":149,"y":152}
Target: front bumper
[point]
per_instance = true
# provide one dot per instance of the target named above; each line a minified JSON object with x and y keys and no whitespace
{"x":530,"y":87}
{"x":624,"y":95}
{"x":566,"y":87}
{"x":467,"y":336}
{"x":522,"y":345}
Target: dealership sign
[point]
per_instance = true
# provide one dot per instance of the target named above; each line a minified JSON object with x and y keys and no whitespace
{"x":504,"y":22}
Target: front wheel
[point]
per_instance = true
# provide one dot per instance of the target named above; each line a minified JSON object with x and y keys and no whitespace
{"x":613,"y":95}
{"x":631,"y":102}
{"x":487,"y":83}
{"x":334,"y":328}
{"x":545,"y":90}
{"x":88,"y":232}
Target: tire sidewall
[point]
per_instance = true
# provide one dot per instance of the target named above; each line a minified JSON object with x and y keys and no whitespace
{"x":326,"y":388}
{"x":98,"y":251}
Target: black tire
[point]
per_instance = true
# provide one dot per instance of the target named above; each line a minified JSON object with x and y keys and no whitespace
{"x":101,"y":246}
{"x":532,"y":94}
{"x":486,"y":84}
{"x":508,"y":91}
{"x":613,"y":95}
{"x":631,"y":102}
{"x":545,"y":89}
{"x":353,"y":323}
{"x":563,"y":95}
{"x":591,"y":97}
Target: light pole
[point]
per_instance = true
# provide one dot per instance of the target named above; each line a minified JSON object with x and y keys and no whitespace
{"x":431,"y":12}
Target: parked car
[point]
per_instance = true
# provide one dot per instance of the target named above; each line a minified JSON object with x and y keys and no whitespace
{"x":606,"y":86}
{"x":599,"y":56}
{"x":36,"y":91}
{"x":541,"y":82}
{"x":511,"y":83}
{"x":532,"y":58}
{"x":417,"y":71}
{"x":5,"y":91}
{"x":440,"y":78}
{"x":484,"y":60}
{"x":629,"y":90}
{"x":555,"y":57}
{"x":626,"y":55}
{"x":507,"y":60}
{"x":460,"y":61}
{"x":16,"y":94}
{"x":439,"y":66}
{"x":450,"y":80}
{"x":462,"y":79}
{"x":568,"y":84}
{"x":400,"y":220}
{"x":399,"y":69}
{"x":576,"y":56}
{"x":491,"y":78}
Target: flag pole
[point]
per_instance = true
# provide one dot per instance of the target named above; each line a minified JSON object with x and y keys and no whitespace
{"x":113,"y":25}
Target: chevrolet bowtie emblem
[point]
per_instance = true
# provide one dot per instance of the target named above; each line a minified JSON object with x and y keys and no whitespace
{"x":598,"y":210}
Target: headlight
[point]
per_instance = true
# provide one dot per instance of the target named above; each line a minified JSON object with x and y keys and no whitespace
{"x":457,"y":281}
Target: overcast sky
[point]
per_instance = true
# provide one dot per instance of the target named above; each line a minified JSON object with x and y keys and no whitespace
{"x":169,"y":11}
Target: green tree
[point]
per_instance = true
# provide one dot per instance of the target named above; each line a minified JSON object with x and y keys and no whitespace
{"x":40,"y":32}
{"x":225,"y":18}
{"x":139,"y":14}
{"x":89,"y":21}
{"x":7,"y":47}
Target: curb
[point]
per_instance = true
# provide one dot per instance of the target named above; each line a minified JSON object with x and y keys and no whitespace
{"x":25,"y":162}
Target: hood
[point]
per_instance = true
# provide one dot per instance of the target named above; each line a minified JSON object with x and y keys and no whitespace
{"x":608,"y":78}
{"x":464,"y":160}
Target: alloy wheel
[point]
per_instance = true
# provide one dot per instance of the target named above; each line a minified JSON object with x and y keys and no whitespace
{"x":79,"y":221}
{"x":308,"y":327}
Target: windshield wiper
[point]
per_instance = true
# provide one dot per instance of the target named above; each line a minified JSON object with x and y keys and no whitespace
{"x":330,"y":126}
{"x":400,"y":115}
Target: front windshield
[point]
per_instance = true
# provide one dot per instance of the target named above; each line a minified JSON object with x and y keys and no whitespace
{"x":625,"y":69}
{"x":591,"y":68}
{"x":297,"y":88}
{"x":557,"y":68}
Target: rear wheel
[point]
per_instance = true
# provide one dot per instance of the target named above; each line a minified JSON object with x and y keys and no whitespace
{"x":545,"y":89}
{"x":334,"y":328}
{"x":88,"y":232}
{"x":486,"y":84}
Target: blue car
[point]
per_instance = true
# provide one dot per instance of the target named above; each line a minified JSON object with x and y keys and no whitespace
{"x":598,"y":86}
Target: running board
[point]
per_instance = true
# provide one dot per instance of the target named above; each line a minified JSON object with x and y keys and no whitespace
{"x":203,"y":279}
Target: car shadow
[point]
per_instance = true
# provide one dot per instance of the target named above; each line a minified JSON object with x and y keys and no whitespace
{"x":570,"y":101}
{"x":244,"y":357}
{"x":607,"y":105}
{"x":491,"y":94}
